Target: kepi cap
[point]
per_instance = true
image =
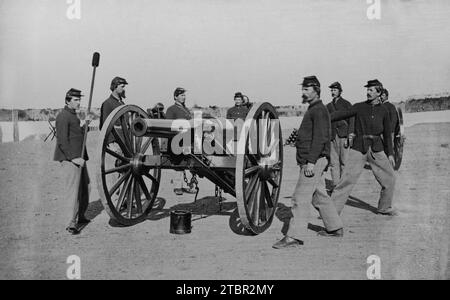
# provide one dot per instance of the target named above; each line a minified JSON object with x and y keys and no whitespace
{"x":116,"y":82}
{"x":336,"y":85}
{"x":310,"y":81}
{"x":178,"y":91}
{"x":238,"y":95}
{"x":74,"y":93}
{"x":374,"y":82}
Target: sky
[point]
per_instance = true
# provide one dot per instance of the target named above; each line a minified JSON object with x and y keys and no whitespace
{"x":214,"y":48}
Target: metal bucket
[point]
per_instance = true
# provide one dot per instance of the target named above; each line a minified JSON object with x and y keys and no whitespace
{"x":180,"y":221}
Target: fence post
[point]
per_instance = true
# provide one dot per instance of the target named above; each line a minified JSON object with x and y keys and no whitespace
{"x":15,"y":117}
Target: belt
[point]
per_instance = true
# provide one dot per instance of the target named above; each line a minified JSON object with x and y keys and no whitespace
{"x":371,"y":137}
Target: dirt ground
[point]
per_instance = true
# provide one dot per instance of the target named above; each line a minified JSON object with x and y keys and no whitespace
{"x":413,"y":245}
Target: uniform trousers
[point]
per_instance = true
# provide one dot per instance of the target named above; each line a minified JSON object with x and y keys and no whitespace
{"x":382,"y":170}
{"x":76,"y":190}
{"x":312,"y":190}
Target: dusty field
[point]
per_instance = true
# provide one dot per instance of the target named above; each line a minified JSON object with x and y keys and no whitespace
{"x":414,"y":245}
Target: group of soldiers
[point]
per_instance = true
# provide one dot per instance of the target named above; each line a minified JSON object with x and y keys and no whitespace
{"x":339,"y":135}
{"x":343,"y":137}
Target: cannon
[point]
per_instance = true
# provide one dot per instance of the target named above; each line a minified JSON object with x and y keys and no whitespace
{"x":134,"y":148}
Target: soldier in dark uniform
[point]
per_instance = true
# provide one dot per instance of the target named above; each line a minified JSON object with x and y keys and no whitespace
{"x":69,"y":141}
{"x":239,"y":110}
{"x":157,"y":112}
{"x":313,"y":152}
{"x":115,"y":100}
{"x":395,"y":126}
{"x":179,"y":109}
{"x":339,"y":133}
{"x":174,"y":112}
{"x":372,"y":136}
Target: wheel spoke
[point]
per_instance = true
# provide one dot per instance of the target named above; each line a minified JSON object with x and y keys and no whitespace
{"x":138,"y":196}
{"x":151,"y":178}
{"x":268,"y":195}
{"x":249,"y":188}
{"x":262,"y":202}
{"x":117,"y":155}
{"x":130,"y":199}
{"x":144,"y":188}
{"x":126,"y":133}
{"x":121,"y":143}
{"x":146,"y":144}
{"x":272,"y":182}
{"x":254,"y":205}
{"x":118,"y":169}
{"x":119,"y":182}
{"x":251,"y":170}
{"x":123,"y":194}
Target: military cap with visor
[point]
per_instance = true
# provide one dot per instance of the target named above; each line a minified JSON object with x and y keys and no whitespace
{"x":374,"y":82}
{"x":116,"y":82}
{"x":310,"y":81}
{"x":336,"y":85}
{"x":74,"y":93}
{"x":178,"y":91}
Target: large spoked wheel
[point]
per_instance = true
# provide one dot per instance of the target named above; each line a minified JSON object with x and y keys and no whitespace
{"x":126,"y":187}
{"x":399,"y":140}
{"x":259,"y":166}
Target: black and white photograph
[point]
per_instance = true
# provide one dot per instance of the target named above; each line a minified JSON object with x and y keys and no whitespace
{"x":204,"y":142}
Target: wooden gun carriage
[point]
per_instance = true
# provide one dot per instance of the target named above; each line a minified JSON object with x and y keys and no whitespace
{"x":133,"y":152}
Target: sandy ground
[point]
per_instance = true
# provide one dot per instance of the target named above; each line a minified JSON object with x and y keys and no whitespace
{"x":414,"y":245}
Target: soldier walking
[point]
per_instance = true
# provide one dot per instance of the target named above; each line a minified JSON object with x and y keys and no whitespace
{"x":340,"y":131}
{"x":372,"y":136}
{"x":69,"y":141}
{"x":313,"y":151}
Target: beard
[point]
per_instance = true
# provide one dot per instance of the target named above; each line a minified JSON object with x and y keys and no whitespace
{"x":305,"y":99}
{"x":122,"y":95}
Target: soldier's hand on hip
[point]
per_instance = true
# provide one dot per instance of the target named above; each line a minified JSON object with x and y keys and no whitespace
{"x":78,"y":161}
{"x":309,"y":170}
{"x":392,"y":160}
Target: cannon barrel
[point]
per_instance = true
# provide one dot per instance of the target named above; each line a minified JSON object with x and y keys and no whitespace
{"x":164,"y":128}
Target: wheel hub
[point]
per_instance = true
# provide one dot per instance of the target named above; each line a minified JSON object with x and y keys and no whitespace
{"x":137,"y":164}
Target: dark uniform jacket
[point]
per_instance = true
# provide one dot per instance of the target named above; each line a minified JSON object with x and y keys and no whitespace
{"x":107,"y":107}
{"x":69,"y":136}
{"x":372,"y":127}
{"x":313,"y":140}
{"x":178,"y":111}
{"x":392,"y":115}
{"x":237,"y":112}
{"x":343,"y":127}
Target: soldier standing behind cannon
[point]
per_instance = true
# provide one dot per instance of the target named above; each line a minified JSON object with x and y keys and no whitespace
{"x":115,"y":100}
{"x":239,"y":110}
{"x":372,"y":136}
{"x":69,"y":141}
{"x":174,"y":112}
{"x":339,"y":133}
{"x":392,"y":113}
{"x":313,"y":151}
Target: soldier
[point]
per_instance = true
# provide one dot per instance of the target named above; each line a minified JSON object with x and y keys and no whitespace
{"x":157,"y":112}
{"x":239,"y":110}
{"x":372,"y":136}
{"x":339,"y":133}
{"x":392,"y":113}
{"x":179,"y":111}
{"x":313,"y":151}
{"x":69,"y":141}
{"x":115,"y":100}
